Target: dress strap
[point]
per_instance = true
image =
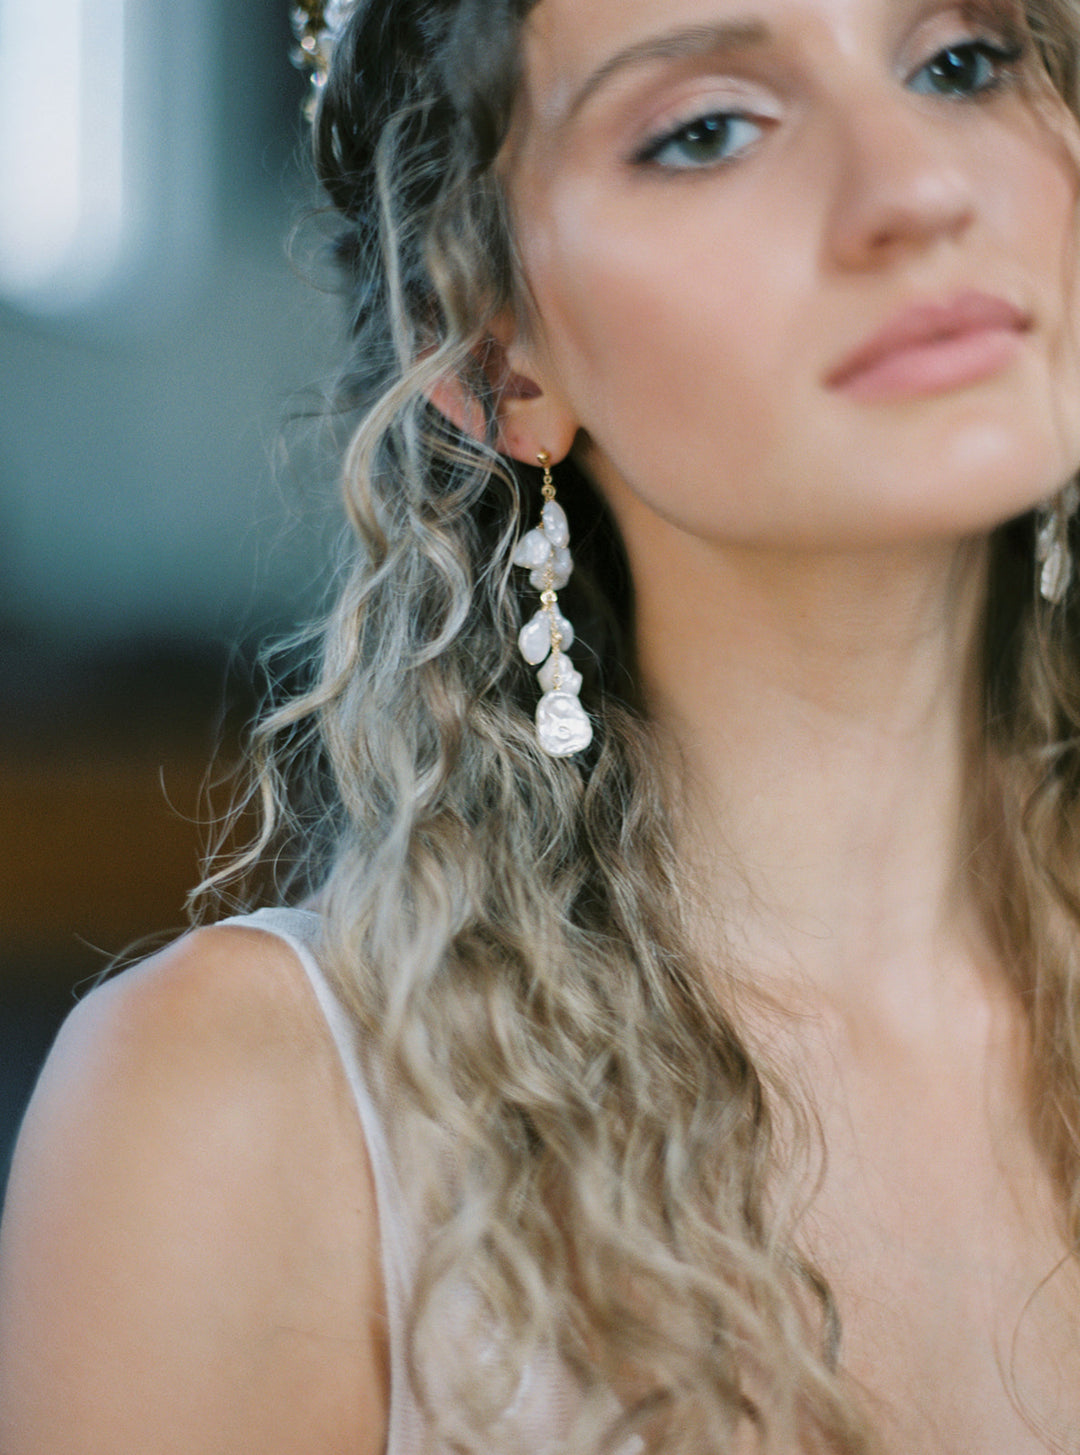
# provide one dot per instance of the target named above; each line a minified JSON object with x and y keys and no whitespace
{"x":301,"y":930}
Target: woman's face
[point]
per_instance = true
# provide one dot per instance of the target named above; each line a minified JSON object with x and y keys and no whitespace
{"x":802,"y":270}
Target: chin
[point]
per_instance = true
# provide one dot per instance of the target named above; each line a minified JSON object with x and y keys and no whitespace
{"x":993,"y":474}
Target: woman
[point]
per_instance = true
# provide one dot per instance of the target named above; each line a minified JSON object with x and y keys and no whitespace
{"x":719,"y":1076}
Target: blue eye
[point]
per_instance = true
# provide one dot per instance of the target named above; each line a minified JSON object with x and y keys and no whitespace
{"x":707,"y":141}
{"x":968,"y":68}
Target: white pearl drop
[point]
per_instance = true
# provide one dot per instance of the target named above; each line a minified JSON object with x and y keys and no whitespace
{"x":555,"y":525}
{"x":1056,"y":574}
{"x":559,"y":665}
{"x":562,"y":724}
{"x":534,"y":639}
{"x":566,"y":631}
{"x":561,"y":567}
{"x":532,"y":550}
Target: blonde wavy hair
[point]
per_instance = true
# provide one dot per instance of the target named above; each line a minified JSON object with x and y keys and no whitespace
{"x":601,"y":1155}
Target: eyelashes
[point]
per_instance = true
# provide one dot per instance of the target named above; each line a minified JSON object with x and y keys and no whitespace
{"x":707,"y":140}
{"x":967,"y":69}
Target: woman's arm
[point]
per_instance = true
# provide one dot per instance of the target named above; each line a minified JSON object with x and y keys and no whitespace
{"x":188,"y":1258}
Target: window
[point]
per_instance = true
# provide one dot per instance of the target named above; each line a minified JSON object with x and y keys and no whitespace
{"x":106,"y":157}
{"x":62,"y":174}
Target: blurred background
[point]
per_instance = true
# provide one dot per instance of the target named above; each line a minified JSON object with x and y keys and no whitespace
{"x":164,"y":509}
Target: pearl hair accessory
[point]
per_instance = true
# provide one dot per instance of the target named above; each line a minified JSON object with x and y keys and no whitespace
{"x":317,"y":25}
{"x":562,"y":725}
{"x":1052,"y":543}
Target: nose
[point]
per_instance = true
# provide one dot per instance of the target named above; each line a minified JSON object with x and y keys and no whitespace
{"x":903,"y":182}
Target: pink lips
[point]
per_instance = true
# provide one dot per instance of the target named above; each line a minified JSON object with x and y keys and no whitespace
{"x":927,"y":348}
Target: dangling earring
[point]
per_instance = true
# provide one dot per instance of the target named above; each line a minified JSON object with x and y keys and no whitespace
{"x":562,"y":725}
{"x":1052,"y":543}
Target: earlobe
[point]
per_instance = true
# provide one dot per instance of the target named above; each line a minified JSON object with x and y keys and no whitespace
{"x":530,"y":416}
{"x":535,"y":417}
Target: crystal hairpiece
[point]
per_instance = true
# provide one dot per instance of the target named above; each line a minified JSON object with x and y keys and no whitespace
{"x":317,"y":25}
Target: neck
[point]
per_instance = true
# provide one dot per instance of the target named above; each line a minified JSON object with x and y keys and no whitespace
{"x":819,"y":714}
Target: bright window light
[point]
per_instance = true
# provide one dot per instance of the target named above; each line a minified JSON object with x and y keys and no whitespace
{"x":62,"y":174}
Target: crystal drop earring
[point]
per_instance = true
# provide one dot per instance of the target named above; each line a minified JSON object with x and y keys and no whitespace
{"x":562,"y":724}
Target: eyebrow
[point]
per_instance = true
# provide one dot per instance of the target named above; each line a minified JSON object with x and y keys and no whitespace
{"x":690,"y":41}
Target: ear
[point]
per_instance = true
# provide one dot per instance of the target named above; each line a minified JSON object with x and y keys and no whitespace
{"x":532,"y":414}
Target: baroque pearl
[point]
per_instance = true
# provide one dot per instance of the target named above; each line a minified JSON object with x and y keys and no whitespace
{"x":555,"y":525}
{"x":566,"y":631}
{"x":562,"y":724}
{"x":559,"y":665}
{"x":561,"y":566}
{"x":534,"y":639}
{"x":1056,"y":573}
{"x":533,"y":550}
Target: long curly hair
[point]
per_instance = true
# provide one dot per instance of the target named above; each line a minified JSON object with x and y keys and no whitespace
{"x":596,"y":1160}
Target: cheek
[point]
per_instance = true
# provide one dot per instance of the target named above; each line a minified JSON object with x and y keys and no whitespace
{"x":1043,"y":222}
{"x":1037,"y":207}
{"x":668,"y":332}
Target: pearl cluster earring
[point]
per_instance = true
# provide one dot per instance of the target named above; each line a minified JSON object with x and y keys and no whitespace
{"x":562,"y":725}
{"x":1052,"y":543}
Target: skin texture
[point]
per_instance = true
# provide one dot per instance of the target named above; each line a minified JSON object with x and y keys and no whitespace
{"x":809,"y":571}
{"x":189,"y":1260}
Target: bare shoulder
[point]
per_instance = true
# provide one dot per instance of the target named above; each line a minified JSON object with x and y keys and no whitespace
{"x":188,"y":1256}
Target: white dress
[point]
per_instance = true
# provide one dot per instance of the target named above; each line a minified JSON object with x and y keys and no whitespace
{"x":542,"y":1408}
